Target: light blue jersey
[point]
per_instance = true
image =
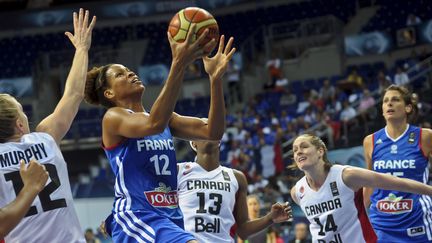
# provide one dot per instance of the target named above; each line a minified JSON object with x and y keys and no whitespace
{"x":146,"y":202}
{"x":399,"y":216}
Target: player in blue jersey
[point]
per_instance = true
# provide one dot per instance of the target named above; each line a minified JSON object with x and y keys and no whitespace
{"x":139,"y":144}
{"x":402,"y":150}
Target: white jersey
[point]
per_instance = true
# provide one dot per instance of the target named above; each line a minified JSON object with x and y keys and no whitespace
{"x":335,"y":212}
{"x":52,"y":216}
{"x":207,"y":200}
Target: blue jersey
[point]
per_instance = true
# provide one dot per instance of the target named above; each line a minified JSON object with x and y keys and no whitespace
{"x":146,"y":201}
{"x":399,"y":216}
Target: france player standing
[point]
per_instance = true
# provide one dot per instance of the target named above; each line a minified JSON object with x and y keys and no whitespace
{"x":402,"y":150}
{"x":139,"y":145}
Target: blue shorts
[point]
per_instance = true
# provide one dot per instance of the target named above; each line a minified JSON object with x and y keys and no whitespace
{"x":128,"y":227}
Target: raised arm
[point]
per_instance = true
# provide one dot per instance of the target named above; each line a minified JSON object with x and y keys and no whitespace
{"x":356,"y":178}
{"x":119,"y":122}
{"x":367,"y":146}
{"x":34,"y":177}
{"x":245,"y":228}
{"x":58,"y":123}
{"x":191,"y":128}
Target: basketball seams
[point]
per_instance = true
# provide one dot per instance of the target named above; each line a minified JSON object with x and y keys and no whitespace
{"x":180,"y":25}
{"x":190,"y":24}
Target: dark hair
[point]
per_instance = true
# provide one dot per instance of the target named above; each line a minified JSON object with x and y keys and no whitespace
{"x":96,"y":84}
{"x":9,"y":113}
{"x":317,"y":143}
{"x":407,"y":97}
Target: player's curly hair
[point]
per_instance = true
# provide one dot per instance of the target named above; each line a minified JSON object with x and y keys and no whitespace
{"x":96,"y":84}
{"x":317,"y":143}
{"x":408,"y":99}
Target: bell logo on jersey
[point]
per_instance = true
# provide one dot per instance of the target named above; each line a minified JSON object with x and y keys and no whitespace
{"x":394,"y":205}
{"x":162,"y":196}
{"x":209,"y":227}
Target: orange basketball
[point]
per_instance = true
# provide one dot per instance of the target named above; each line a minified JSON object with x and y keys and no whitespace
{"x":181,"y":23}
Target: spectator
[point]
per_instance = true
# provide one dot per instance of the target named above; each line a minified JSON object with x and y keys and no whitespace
{"x":423,"y":108}
{"x":367,"y":109}
{"x":288,"y":98}
{"x":401,"y":78}
{"x":274,"y":68}
{"x":90,"y":237}
{"x":267,"y":139}
{"x":325,"y":128}
{"x":348,"y":112}
{"x":366,"y":101}
{"x":347,"y":118}
{"x":234,"y":85}
{"x":327,"y":91}
{"x":254,"y":208}
{"x":413,"y":20}
{"x":334,"y":108}
{"x":281,"y":84}
{"x":301,"y":234}
{"x":273,"y":236}
{"x":383,"y":81}
{"x":352,"y":82}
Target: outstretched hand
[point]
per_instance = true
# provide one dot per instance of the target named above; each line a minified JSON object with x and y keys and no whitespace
{"x":216,"y":66}
{"x":81,"y":38}
{"x":281,"y":212}
{"x":188,"y":51}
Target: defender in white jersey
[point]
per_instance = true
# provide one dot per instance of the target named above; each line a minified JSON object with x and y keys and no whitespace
{"x":213,"y":199}
{"x":331,"y":196}
{"x":52,"y":217}
{"x":34,"y":177}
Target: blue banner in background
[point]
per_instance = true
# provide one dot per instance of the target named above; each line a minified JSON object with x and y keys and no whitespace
{"x":153,"y":74}
{"x":350,"y":156}
{"x":425,"y":32}
{"x":17,"y":87}
{"x":130,"y":9}
{"x":368,"y":43}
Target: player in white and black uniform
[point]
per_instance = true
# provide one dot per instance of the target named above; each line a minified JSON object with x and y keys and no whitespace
{"x":34,"y":177}
{"x":331,"y":196}
{"x":213,"y":199}
{"x":52,"y":217}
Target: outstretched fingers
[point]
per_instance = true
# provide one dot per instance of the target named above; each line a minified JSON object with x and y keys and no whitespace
{"x":221,"y":44}
{"x":85,"y":21}
{"x":92,"y":24}
{"x":228,"y":46}
{"x":80,"y":19}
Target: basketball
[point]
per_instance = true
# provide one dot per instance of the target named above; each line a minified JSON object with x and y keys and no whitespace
{"x":181,"y":23}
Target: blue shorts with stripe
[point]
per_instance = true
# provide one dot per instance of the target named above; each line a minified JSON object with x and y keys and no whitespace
{"x":128,"y":227}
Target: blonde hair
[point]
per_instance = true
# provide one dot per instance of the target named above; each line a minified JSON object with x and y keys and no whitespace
{"x":9,"y":113}
{"x":317,"y":143}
